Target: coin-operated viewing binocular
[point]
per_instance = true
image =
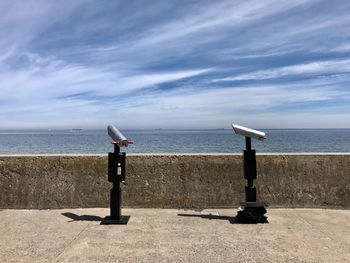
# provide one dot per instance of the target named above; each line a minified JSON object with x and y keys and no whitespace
{"x":250,"y":211}
{"x":116,"y":175}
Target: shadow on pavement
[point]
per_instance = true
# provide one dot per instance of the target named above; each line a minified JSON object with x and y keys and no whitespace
{"x":231,"y":219}
{"x":75,"y":217}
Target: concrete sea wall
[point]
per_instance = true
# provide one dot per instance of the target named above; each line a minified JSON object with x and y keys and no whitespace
{"x":175,"y":180}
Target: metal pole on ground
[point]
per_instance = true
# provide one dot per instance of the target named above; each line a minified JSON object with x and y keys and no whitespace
{"x":250,"y":211}
{"x":116,"y":175}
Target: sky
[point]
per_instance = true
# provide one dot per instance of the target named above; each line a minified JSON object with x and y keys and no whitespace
{"x":174,"y":64}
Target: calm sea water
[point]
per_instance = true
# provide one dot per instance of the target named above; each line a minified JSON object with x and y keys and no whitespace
{"x":191,"y":141}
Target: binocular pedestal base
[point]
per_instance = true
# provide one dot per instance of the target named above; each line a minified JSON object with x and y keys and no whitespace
{"x":252,"y":213}
{"x":116,"y":217}
{"x":109,"y":221}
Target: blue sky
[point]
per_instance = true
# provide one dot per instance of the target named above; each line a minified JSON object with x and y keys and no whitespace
{"x":174,"y":64}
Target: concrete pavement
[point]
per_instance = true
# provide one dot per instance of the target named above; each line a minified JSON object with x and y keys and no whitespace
{"x":170,"y":235}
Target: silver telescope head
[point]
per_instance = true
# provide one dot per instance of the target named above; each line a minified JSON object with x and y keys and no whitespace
{"x":247,"y":132}
{"x":117,"y":136}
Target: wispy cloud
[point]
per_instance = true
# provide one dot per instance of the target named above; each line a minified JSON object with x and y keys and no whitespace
{"x":174,"y":64}
{"x":329,"y":67}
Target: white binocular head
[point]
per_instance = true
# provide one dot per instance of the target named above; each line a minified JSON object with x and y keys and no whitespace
{"x":117,"y":136}
{"x":247,"y":132}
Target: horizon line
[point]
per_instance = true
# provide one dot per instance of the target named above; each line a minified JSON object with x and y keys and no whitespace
{"x":160,"y":129}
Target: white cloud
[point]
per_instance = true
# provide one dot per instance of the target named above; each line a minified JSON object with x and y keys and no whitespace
{"x":319,"y":68}
{"x":23,"y":21}
{"x":189,"y":108}
{"x":203,"y":24}
{"x":215,"y":108}
{"x":242,"y":99}
{"x":48,"y":78}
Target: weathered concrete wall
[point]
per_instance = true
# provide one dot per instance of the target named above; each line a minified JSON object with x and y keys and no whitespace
{"x":175,"y":180}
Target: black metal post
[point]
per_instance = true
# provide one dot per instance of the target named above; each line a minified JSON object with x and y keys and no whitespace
{"x":249,"y":171}
{"x":248,"y":143}
{"x":116,"y":174}
{"x":251,"y":211}
{"x":116,"y":192}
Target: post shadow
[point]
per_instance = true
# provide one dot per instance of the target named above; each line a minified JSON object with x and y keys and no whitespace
{"x":75,"y":217}
{"x":231,"y":219}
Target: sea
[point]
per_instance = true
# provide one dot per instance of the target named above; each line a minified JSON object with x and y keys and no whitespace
{"x":172,"y":141}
